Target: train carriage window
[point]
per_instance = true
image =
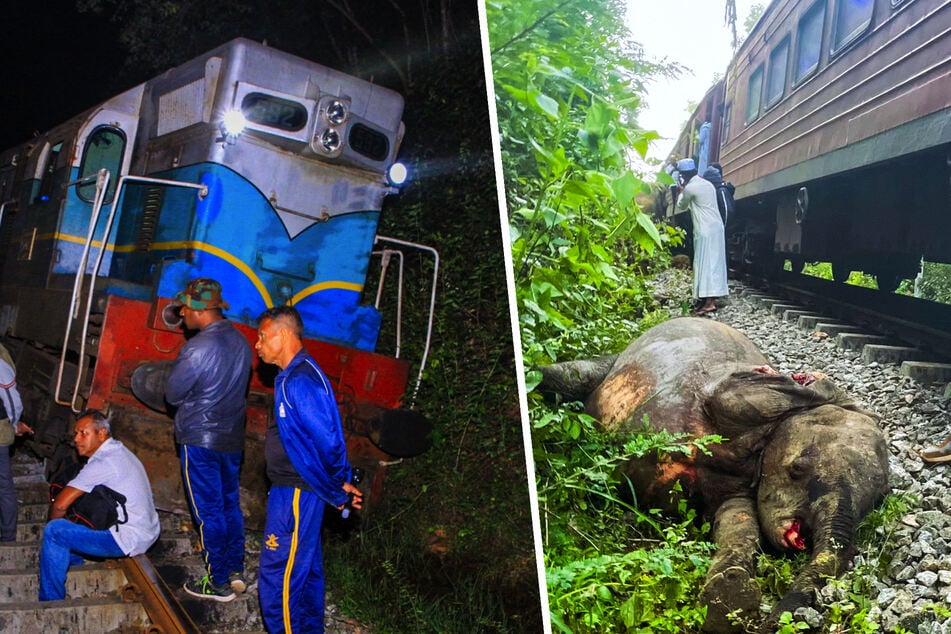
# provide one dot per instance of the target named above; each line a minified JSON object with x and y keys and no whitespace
{"x":852,"y":18}
{"x":809,"y":41}
{"x":727,"y":116}
{"x":776,"y":76}
{"x":104,"y":149}
{"x":754,"y":94}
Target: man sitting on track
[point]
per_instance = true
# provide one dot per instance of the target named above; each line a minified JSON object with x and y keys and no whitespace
{"x":109,"y":463}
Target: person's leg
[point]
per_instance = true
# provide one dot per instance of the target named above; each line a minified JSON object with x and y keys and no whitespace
{"x":201,"y":473}
{"x":309,"y":616}
{"x":8,"y":496}
{"x":709,"y":305}
{"x":287,"y":554}
{"x":275,"y":546}
{"x":62,"y":541}
{"x":233,"y":542}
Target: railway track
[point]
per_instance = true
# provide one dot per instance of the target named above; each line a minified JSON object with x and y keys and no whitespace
{"x":921,"y":329}
{"x":138,"y":595}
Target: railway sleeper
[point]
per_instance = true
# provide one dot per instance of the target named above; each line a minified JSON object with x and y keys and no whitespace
{"x":112,"y":596}
{"x":918,"y":364}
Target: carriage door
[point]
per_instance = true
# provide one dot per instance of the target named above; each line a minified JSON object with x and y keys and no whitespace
{"x":104,"y":142}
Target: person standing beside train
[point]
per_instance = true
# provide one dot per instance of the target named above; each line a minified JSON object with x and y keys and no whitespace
{"x":306,"y":458}
{"x":208,"y":383}
{"x":10,"y":427}
{"x":709,"y":242}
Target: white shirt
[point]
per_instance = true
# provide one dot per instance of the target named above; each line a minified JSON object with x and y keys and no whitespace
{"x":116,"y":467}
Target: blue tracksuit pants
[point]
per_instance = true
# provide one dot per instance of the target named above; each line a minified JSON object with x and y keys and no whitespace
{"x":291,"y":577}
{"x":212,"y":489}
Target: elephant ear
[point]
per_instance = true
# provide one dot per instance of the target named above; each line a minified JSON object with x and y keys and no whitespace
{"x":744,"y":400}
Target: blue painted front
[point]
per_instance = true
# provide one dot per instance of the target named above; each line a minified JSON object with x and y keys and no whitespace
{"x":236,"y":237}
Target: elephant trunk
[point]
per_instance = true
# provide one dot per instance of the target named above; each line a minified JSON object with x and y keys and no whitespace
{"x":833,"y":549}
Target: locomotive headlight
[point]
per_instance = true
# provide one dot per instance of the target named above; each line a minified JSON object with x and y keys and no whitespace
{"x":336,"y":112}
{"x":329,"y":140}
{"x":397,"y":174}
{"x":233,"y":123}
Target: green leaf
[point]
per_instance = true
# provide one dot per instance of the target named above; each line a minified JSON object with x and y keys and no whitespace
{"x":546,"y":104}
{"x":625,"y":188}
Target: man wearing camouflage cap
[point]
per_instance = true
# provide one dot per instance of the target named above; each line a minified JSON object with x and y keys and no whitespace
{"x":207,"y":383}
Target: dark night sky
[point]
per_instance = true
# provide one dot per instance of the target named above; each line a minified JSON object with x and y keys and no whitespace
{"x":56,"y":63}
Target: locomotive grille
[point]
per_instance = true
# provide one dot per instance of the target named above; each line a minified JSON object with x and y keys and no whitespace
{"x":154,"y":196}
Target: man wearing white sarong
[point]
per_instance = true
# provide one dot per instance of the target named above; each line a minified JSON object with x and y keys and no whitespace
{"x":709,"y":243}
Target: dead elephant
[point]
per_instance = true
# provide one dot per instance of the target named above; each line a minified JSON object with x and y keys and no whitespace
{"x":802,"y":464}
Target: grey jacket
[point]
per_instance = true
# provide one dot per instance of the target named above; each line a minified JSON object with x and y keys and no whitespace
{"x":208,"y":384}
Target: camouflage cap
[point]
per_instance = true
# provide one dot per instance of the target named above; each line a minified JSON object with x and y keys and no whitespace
{"x":201,"y":294}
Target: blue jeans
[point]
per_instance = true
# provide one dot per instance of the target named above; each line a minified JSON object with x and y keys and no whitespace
{"x":211,"y":487}
{"x":64,"y":545}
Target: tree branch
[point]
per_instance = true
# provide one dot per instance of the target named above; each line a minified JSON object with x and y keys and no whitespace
{"x":533,"y":26}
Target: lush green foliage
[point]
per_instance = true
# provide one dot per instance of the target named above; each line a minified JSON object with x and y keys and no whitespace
{"x":933,"y":283}
{"x":568,"y":85}
{"x":824,"y":270}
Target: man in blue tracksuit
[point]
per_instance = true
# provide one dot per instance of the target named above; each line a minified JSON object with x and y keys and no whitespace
{"x":208,"y":384}
{"x":307,"y":465}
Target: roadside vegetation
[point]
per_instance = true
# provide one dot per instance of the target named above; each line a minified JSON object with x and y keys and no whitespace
{"x":933,"y":281}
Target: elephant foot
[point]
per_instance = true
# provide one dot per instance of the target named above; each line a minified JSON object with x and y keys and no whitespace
{"x":732,"y":599}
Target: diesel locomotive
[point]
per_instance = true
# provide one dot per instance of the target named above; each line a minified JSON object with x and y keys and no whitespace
{"x":262,"y":170}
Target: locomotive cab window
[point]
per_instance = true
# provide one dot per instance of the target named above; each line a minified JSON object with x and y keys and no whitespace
{"x":50,"y":161}
{"x":852,"y":18}
{"x":104,"y":149}
{"x":776,"y":76}
{"x":809,"y":41}
{"x":754,"y":94}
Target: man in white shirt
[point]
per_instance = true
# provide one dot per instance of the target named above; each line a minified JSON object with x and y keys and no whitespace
{"x":110,"y":464}
{"x":709,"y":242}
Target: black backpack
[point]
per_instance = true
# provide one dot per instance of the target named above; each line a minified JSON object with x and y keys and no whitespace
{"x":725,"y":202}
{"x":98,"y":509}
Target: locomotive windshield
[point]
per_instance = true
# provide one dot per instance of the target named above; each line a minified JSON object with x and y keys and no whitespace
{"x":274,"y":112}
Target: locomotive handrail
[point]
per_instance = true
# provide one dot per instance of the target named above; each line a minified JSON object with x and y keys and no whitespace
{"x":385,"y":255}
{"x":432,"y":303}
{"x":102,"y":183}
{"x":3,"y":207}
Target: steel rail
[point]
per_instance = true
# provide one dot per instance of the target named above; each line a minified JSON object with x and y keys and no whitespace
{"x":924,"y":324}
{"x":147,"y":587}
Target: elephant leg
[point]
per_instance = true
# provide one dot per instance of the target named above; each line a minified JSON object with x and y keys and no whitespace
{"x":574,"y":380}
{"x":730,"y":591}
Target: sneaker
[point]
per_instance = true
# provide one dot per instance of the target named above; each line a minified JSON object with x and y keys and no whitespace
{"x":237,"y":582}
{"x":204,"y":589}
